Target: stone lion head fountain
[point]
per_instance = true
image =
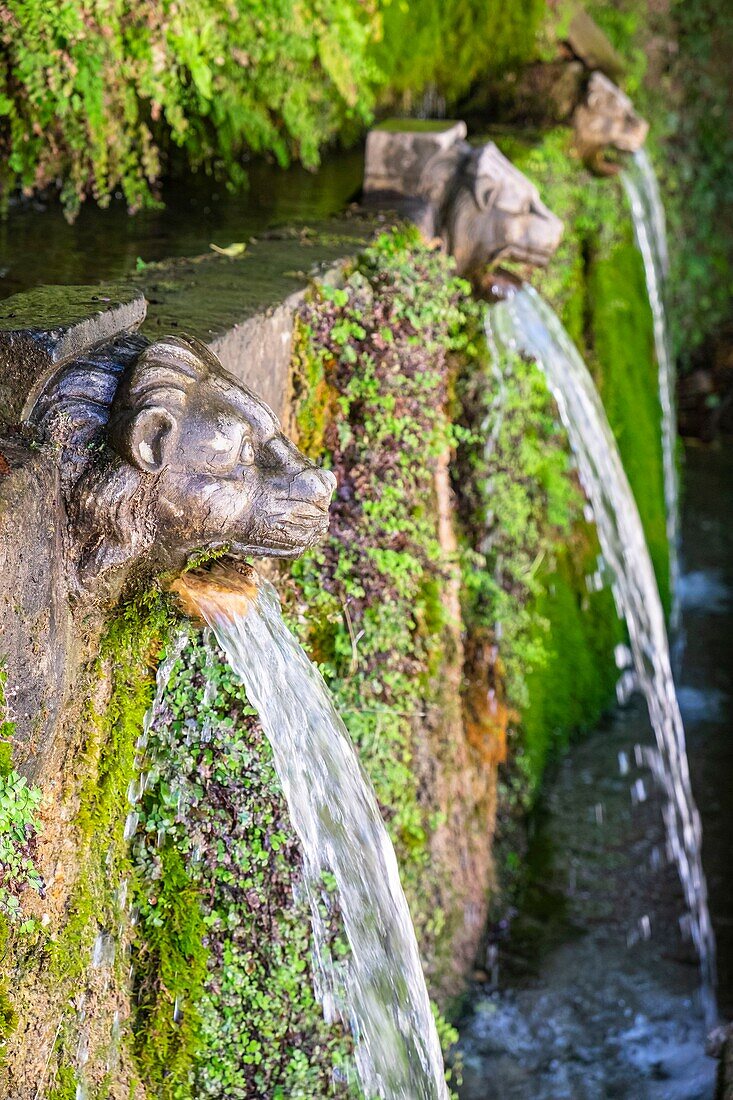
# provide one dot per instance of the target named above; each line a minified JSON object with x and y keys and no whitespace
{"x":471,"y":198}
{"x":605,"y":119}
{"x":130,"y":458}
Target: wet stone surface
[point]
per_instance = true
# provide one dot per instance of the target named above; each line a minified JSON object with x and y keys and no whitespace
{"x":110,"y":245}
{"x":706,"y":678}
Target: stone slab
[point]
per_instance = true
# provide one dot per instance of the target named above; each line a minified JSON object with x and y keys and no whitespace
{"x":244,"y":308}
{"x":398,"y":149}
{"x":590,"y":44}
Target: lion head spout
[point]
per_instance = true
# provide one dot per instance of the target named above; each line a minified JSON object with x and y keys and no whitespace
{"x":488,"y":210}
{"x":606,"y":120}
{"x":184,"y":458}
{"x":472,"y":199}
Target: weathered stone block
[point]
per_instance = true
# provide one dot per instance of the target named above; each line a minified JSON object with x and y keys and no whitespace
{"x":592,"y":46}
{"x":398,"y":150}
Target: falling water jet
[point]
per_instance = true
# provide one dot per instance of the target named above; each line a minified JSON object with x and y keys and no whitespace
{"x":647,"y":211}
{"x":380,"y":990}
{"x":524,"y":324}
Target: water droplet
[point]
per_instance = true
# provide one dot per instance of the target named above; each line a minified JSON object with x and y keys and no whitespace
{"x":626,"y":685}
{"x":623,"y":657}
{"x":82,"y":1050}
{"x":131,"y":824}
{"x":638,"y":792}
{"x":103,"y":952}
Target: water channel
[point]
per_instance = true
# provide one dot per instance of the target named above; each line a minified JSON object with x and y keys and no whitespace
{"x":105,"y":245}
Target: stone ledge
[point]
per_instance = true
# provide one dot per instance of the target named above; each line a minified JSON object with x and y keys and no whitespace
{"x":243,"y":308}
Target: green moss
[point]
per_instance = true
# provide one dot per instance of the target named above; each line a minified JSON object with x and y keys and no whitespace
{"x":7,"y":728}
{"x":526,"y":560}
{"x":446,"y":46}
{"x":375,"y":592}
{"x":569,"y":690}
{"x":215,"y":829}
{"x":129,"y":651}
{"x":625,"y":369}
{"x":8,"y":1017}
{"x":65,"y":1084}
{"x":314,"y":398}
{"x":19,"y":827}
{"x":172,"y":968}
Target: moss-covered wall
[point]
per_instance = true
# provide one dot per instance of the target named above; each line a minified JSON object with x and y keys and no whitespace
{"x":457,"y":631}
{"x":67,"y":959}
{"x":180,"y":967}
{"x":529,"y":556}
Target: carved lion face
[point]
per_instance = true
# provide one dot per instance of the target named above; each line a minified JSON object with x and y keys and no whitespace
{"x":607,"y":119}
{"x":195,"y":462}
{"x":494,"y":212}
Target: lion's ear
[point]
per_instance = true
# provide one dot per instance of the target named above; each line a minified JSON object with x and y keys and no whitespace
{"x":485,"y":192}
{"x":148,"y":436}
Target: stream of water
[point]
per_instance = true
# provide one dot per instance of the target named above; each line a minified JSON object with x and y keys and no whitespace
{"x":526,"y":324}
{"x":647,"y":210}
{"x":380,"y":989}
{"x":596,"y":986}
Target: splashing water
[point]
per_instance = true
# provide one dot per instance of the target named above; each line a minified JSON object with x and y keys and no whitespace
{"x":526,"y":324}
{"x":650,"y":229}
{"x":381,"y":991}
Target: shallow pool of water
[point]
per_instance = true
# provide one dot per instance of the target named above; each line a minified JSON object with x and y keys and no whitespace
{"x":705,"y":678}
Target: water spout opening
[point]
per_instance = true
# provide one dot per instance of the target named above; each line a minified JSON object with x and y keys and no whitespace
{"x":226,"y":589}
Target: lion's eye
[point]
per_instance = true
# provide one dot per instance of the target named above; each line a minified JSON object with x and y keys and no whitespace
{"x":247,"y":454}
